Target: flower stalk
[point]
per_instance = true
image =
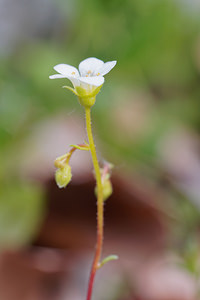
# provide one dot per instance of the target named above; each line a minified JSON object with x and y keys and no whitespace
{"x":100,"y":204}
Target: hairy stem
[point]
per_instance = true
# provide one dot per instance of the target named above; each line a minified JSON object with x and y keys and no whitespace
{"x":100,"y":208}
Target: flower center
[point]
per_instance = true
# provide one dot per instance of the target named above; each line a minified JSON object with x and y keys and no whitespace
{"x":90,"y":74}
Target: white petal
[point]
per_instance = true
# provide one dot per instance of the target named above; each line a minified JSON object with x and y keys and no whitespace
{"x":66,"y":70}
{"x":107,"y":67}
{"x":94,"y":80}
{"x":90,"y":65}
{"x":57,"y":76}
{"x":75,"y":81}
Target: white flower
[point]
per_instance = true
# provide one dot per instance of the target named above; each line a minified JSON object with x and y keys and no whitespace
{"x":90,"y":74}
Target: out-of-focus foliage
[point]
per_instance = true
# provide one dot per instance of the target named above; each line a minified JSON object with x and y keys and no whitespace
{"x":21,"y":209}
{"x":153,"y":89}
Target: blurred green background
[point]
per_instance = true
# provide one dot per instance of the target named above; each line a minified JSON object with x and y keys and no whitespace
{"x":149,"y":102}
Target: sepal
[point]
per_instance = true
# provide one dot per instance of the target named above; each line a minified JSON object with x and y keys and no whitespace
{"x":61,"y":160}
{"x":70,"y":89}
{"x":87,"y":99}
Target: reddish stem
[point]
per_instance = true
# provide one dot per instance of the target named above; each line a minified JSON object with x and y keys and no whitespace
{"x":95,"y":262}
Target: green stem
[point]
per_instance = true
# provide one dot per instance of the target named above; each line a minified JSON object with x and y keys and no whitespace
{"x":100,"y":208}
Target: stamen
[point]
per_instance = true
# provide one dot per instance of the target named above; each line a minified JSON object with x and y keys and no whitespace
{"x":73,"y":73}
{"x":98,"y":74}
{"x":89,"y":71}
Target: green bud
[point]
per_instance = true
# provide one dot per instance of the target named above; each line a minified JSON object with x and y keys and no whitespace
{"x":63,"y":176}
{"x":107,"y":189}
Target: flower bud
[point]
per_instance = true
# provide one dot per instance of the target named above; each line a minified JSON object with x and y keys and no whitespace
{"x":107,"y":189}
{"x":63,"y":176}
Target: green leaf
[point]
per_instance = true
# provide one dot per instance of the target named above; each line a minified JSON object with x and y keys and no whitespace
{"x":107,"y":259}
